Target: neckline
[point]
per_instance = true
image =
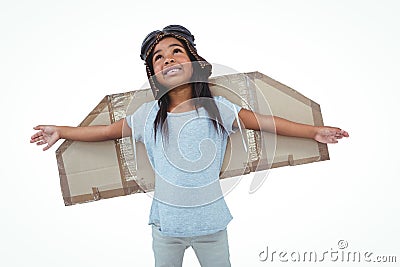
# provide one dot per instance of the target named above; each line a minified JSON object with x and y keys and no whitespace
{"x":184,"y":112}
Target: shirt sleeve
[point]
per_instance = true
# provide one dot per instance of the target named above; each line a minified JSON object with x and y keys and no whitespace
{"x":137,"y":120}
{"x":229,"y":113}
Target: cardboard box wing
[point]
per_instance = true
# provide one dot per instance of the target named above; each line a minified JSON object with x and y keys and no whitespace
{"x":94,"y":171}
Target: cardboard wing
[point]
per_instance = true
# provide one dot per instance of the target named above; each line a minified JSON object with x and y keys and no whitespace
{"x":94,"y":171}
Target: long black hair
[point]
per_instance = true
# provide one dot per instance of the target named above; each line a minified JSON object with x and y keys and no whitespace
{"x":201,"y":95}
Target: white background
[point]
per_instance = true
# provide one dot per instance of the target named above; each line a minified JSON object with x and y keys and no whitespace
{"x":58,"y":59}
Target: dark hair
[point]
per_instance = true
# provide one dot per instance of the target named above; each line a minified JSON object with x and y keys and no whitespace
{"x":200,"y":94}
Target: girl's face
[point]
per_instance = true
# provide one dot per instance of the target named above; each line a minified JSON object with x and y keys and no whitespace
{"x":171,"y":63}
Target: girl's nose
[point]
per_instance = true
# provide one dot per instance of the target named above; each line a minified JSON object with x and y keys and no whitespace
{"x":169,"y":61}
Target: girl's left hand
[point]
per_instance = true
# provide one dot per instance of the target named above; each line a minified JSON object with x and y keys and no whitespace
{"x":329,"y":135}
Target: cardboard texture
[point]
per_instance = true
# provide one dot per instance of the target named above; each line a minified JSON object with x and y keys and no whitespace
{"x":94,"y":171}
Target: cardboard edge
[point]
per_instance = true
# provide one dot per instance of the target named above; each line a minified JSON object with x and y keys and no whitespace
{"x":98,"y":194}
{"x":66,"y":194}
{"x":264,"y":165}
{"x":233,"y":173}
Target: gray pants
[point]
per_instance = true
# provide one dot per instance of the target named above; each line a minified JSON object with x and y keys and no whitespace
{"x":211,"y":250}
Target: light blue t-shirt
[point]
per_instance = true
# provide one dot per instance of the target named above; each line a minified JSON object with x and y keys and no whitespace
{"x":188,"y":200}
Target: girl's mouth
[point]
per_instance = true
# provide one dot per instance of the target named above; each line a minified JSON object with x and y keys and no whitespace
{"x":171,"y":70}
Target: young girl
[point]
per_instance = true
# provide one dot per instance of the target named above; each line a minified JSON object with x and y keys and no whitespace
{"x":185,"y":132}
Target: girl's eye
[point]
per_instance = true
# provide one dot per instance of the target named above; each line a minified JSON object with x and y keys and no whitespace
{"x":157,"y":57}
{"x":177,"y":50}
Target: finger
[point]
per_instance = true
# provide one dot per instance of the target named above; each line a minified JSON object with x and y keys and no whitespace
{"x":338,"y":135}
{"x":33,"y":140}
{"x":50,"y":143}
{"x":41,"y":142}
{"x":332,"y":140}
{"x":36,"y":135}
{"x":38,"y":127}
{"x":37,"y":138}
{"x":342,"y":133}
{"x":333,"y":131}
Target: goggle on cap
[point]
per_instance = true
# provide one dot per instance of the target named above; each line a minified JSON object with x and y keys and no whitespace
{"x":178,"y":32}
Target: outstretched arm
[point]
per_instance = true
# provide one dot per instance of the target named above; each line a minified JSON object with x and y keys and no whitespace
{"x":49,"y":134}
{"x":267,"y":123}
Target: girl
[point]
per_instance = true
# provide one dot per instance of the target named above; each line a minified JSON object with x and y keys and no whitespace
{"x":185,"y":132}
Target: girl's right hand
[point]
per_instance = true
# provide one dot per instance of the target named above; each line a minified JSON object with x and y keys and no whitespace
{"x":47,"y":134}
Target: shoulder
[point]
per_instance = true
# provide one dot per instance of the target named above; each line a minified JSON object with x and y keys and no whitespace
{"x":140,"y":115}
{"x":150,"y":105}
{"x":220,"y":99}
{"x":146,"y":108}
